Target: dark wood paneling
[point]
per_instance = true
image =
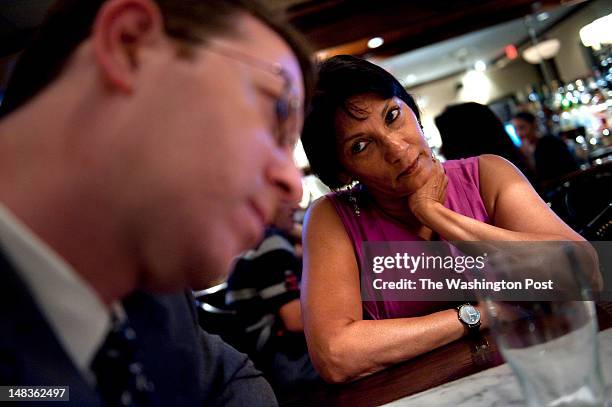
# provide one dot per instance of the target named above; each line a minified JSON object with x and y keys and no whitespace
{"x":405,"y":25}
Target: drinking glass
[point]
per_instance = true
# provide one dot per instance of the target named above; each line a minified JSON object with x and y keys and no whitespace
{"x":552,"y":349}
{"x":550,"y":345}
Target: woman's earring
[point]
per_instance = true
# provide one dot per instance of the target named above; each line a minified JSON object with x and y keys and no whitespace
{"x":353,"y":201}
{"x":433,"y":157}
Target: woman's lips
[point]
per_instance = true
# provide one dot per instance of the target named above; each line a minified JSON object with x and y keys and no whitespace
{"x":411,"y":168}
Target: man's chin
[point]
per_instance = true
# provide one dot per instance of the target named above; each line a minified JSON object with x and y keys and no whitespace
{"x":165,"y":286}
{"x":194,"y":278}
{"x":204,"y":270}
{"x":208,"y":282}
{"x":195,"y":281}
{"x":213,"y":272}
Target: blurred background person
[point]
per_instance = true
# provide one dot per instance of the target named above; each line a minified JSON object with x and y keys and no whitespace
{"x":264,"y":290}
{"x":548,"y":156}
{"x":259,"y":312}
{"x":471,"y":129}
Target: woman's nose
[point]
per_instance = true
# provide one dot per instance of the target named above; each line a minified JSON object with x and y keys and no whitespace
{"x":395,"y":148}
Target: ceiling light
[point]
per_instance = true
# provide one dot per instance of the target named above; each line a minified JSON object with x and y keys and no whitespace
{"x":597,"y":33}
{"x":542,"y":51}
{"x":476,"y":87}
{"x":375,"y":42}
{"x":322,"y":55}
{"x":480,"y":66}
{"x":409,"y":79}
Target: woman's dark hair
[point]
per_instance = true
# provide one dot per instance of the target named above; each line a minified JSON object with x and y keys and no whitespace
{"x":341,"y":78}
{"x":191,"y":22}
{"x":471,"y":129}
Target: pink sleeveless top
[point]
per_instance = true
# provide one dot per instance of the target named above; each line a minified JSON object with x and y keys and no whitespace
{"x":462,"y":196}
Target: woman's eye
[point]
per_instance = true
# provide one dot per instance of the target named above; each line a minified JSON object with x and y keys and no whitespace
{"x":392,"y":115}
{"x":358,"y":147}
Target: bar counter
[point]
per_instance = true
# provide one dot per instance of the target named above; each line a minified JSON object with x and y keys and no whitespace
{"x":431,"y":374}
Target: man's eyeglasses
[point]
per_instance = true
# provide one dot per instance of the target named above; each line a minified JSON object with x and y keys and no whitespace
{"x":287,"y":105}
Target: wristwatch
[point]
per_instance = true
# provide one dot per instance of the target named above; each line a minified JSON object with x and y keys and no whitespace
{"x":469,"y":316}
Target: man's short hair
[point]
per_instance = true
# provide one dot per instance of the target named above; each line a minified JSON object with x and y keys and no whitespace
{"x":69,"y":23}
{"x":526,"y":117}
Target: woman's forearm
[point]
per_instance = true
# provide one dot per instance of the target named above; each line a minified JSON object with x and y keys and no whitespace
{"x":456,"y":227}
{"x":360,"y":348}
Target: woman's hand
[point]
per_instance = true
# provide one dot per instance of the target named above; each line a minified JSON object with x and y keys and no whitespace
{"x":432,"y":192}
{"x":515,"y":211}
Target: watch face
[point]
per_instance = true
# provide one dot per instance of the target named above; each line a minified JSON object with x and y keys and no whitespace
{"x":469,"y":314}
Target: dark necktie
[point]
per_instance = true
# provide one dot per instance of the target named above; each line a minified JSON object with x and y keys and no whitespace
{"x":120,"y":378}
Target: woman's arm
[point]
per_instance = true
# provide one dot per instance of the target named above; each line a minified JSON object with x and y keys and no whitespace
{"x":515,"y":209}
{"x":342,"y":345}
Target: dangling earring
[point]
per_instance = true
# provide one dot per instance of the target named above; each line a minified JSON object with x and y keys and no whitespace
{"x":353,"y":199}
{"x":433,"y":157}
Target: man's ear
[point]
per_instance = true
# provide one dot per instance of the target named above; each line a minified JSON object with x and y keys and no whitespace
{"x":121,"y":30}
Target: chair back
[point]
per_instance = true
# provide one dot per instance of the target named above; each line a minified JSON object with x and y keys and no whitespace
{"x":583,"y":200}
{"x":214,"y":316}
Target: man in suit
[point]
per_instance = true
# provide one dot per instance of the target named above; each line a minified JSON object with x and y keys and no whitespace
{"x":143,"y":144}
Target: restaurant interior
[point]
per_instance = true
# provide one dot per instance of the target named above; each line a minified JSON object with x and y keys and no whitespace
{"x":511,"y":56}
{"x":549,"y":58}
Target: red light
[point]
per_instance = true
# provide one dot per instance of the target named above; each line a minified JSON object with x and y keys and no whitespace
{"x":511,"y":52}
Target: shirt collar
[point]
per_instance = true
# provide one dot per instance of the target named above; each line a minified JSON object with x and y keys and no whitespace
{"x":71,"y":306}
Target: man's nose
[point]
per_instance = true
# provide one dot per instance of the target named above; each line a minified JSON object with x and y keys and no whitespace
{"x":286,"y":177}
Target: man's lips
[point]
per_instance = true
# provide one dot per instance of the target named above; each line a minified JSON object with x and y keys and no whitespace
{"x":260,"y":213}
{"x":410,"y":169}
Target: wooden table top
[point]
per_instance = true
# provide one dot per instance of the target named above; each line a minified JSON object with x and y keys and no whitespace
{"x":451,"y":362}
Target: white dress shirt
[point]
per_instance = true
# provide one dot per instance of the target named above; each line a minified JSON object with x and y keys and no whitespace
{"x":74,"y":311}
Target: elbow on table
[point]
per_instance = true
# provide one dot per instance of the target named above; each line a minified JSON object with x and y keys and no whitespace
{"x":333,"y":373}
{"x":334,"y":364}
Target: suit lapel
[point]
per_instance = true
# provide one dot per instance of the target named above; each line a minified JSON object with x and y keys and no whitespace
{"x":30,"y":353}
{"x":168,"y":346}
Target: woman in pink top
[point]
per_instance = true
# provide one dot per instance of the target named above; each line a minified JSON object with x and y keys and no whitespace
{"x":364,"y":127}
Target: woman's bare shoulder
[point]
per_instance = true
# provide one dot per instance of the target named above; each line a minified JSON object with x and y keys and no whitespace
{"x":321,"y":211}
{"x":322,"y":222}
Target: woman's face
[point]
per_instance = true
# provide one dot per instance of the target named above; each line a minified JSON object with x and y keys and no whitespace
{"x":382,"y":146}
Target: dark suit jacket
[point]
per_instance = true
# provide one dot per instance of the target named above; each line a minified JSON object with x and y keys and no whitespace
{"x":188,"y":366}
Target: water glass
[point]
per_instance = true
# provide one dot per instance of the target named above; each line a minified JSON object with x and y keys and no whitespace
{"x":552,"y":349}
{"x":550,"y":345}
